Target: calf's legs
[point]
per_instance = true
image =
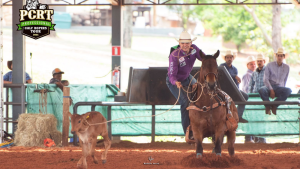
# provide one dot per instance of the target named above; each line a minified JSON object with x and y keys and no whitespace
{"x":107,"y":144}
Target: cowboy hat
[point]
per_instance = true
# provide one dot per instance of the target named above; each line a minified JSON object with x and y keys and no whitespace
{"x":250,"y":59}
{"x":281,"y":51}
{"x":260,"y":56}
{"x":9,"y":63}
{"x":228,"y":53}
{"x":185,"y":37}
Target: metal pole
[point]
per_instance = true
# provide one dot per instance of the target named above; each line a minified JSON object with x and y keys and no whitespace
{"x":18,"y":74}
{"x":1,"y":76}
{"x":109,"y":124}
{"x":116,"y":36}
{"x":153,"y":125}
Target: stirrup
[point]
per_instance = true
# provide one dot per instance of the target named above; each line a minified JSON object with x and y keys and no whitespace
{"x":187,"y":138}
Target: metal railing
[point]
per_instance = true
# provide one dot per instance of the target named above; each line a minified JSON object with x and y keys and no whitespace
{"x":7,"y":119}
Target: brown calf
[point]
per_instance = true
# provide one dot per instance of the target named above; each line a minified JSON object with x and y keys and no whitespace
{"x":87,"y":133}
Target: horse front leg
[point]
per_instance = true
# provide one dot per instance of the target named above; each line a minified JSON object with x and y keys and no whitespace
{"x":198,"y":135}
{"x":199,"y":148}
{"x":219,"y":135}
{"x":231,"y":141}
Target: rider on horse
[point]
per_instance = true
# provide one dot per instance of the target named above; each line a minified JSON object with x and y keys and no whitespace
{"x":181,"y":62}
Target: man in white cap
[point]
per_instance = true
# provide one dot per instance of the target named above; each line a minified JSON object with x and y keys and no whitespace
{"x":275,"y":77}
{"x":251,"y":65}
{"x":256,"y":82}
{"x":229,"y":57}
{"x":181,"y":62}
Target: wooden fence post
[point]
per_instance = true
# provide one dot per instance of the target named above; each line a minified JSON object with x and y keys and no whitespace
{"x":66,"y":121}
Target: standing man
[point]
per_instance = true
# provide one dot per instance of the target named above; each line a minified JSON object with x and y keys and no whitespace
{"x":275,"y":77}
{"x":256,"y":82}
{"x":245,"y":83}
{"x":181,"y":62}
{"x":229,"y":57}
{"x":57,"y":75}
{"x":7,"y":78}
{"x":251,"y":65}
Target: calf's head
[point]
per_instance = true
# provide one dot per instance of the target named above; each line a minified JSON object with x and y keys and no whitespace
{"x":79,"y":122}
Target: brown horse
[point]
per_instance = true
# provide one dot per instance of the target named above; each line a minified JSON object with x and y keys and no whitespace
{"x":209,"y":114}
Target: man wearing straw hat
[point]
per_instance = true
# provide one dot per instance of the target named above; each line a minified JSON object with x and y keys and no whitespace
{"x":7,"y":78}
{"x":257,"y":78}
{"x":256,"y":82}
{"x":251,"y":65}
{"x":275,"y":77}
{"x":181,"y":62}
{"x":229,"y":57}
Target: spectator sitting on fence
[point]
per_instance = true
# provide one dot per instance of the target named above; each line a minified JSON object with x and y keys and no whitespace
{"x":275,"y":77}
{"x":57,"y":75}
{"x":229,"y":57}
{"x":7,"y":78}
{"x":256,"y":82}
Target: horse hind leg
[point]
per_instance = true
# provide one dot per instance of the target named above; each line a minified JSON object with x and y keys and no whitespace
{"x":231,"y":141}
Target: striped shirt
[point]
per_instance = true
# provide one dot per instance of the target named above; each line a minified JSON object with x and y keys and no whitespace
{"x":245,"y":80}
{"x":276,"y":75}
{"x":256,"y":81}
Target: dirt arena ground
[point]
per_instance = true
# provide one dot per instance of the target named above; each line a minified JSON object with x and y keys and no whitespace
{"x":165,"y":155}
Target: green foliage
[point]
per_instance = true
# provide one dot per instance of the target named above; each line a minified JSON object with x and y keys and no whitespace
{"x":232,"y":22}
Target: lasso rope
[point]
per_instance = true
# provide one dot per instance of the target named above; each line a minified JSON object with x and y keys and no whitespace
{"x":104,"y":75}
{"x":136,"y":116}
{"x":156,"y":114}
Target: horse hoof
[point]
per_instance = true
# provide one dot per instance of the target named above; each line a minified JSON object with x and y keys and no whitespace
{"x":213,"y":151}
{"x":103,"y":161}
{"x":198,"y":155}
{"x":218,"y":154}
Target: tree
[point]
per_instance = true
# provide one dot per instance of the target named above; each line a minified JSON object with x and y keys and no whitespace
{"x":232,"y":22}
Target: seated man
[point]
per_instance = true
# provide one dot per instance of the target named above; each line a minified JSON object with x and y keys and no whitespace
{"x":275,"y":77}
{"x":7,"y":78}
{"x":256,"y":82}
{"x":229,"y":57}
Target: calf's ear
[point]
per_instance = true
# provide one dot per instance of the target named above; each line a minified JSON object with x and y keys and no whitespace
{"x":86,"y":115}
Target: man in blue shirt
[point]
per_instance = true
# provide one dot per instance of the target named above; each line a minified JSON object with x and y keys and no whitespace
{"x":229,"y":57}
{"x":7,"y":78}
{"x":275,"y":77}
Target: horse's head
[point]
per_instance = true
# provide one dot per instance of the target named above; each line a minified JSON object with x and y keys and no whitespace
{"x":209,"y":70}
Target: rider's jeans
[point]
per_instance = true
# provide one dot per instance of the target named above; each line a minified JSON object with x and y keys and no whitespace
{"x":183,"y":99}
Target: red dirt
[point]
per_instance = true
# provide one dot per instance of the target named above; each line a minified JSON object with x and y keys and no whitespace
{"x":165,"y":155}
